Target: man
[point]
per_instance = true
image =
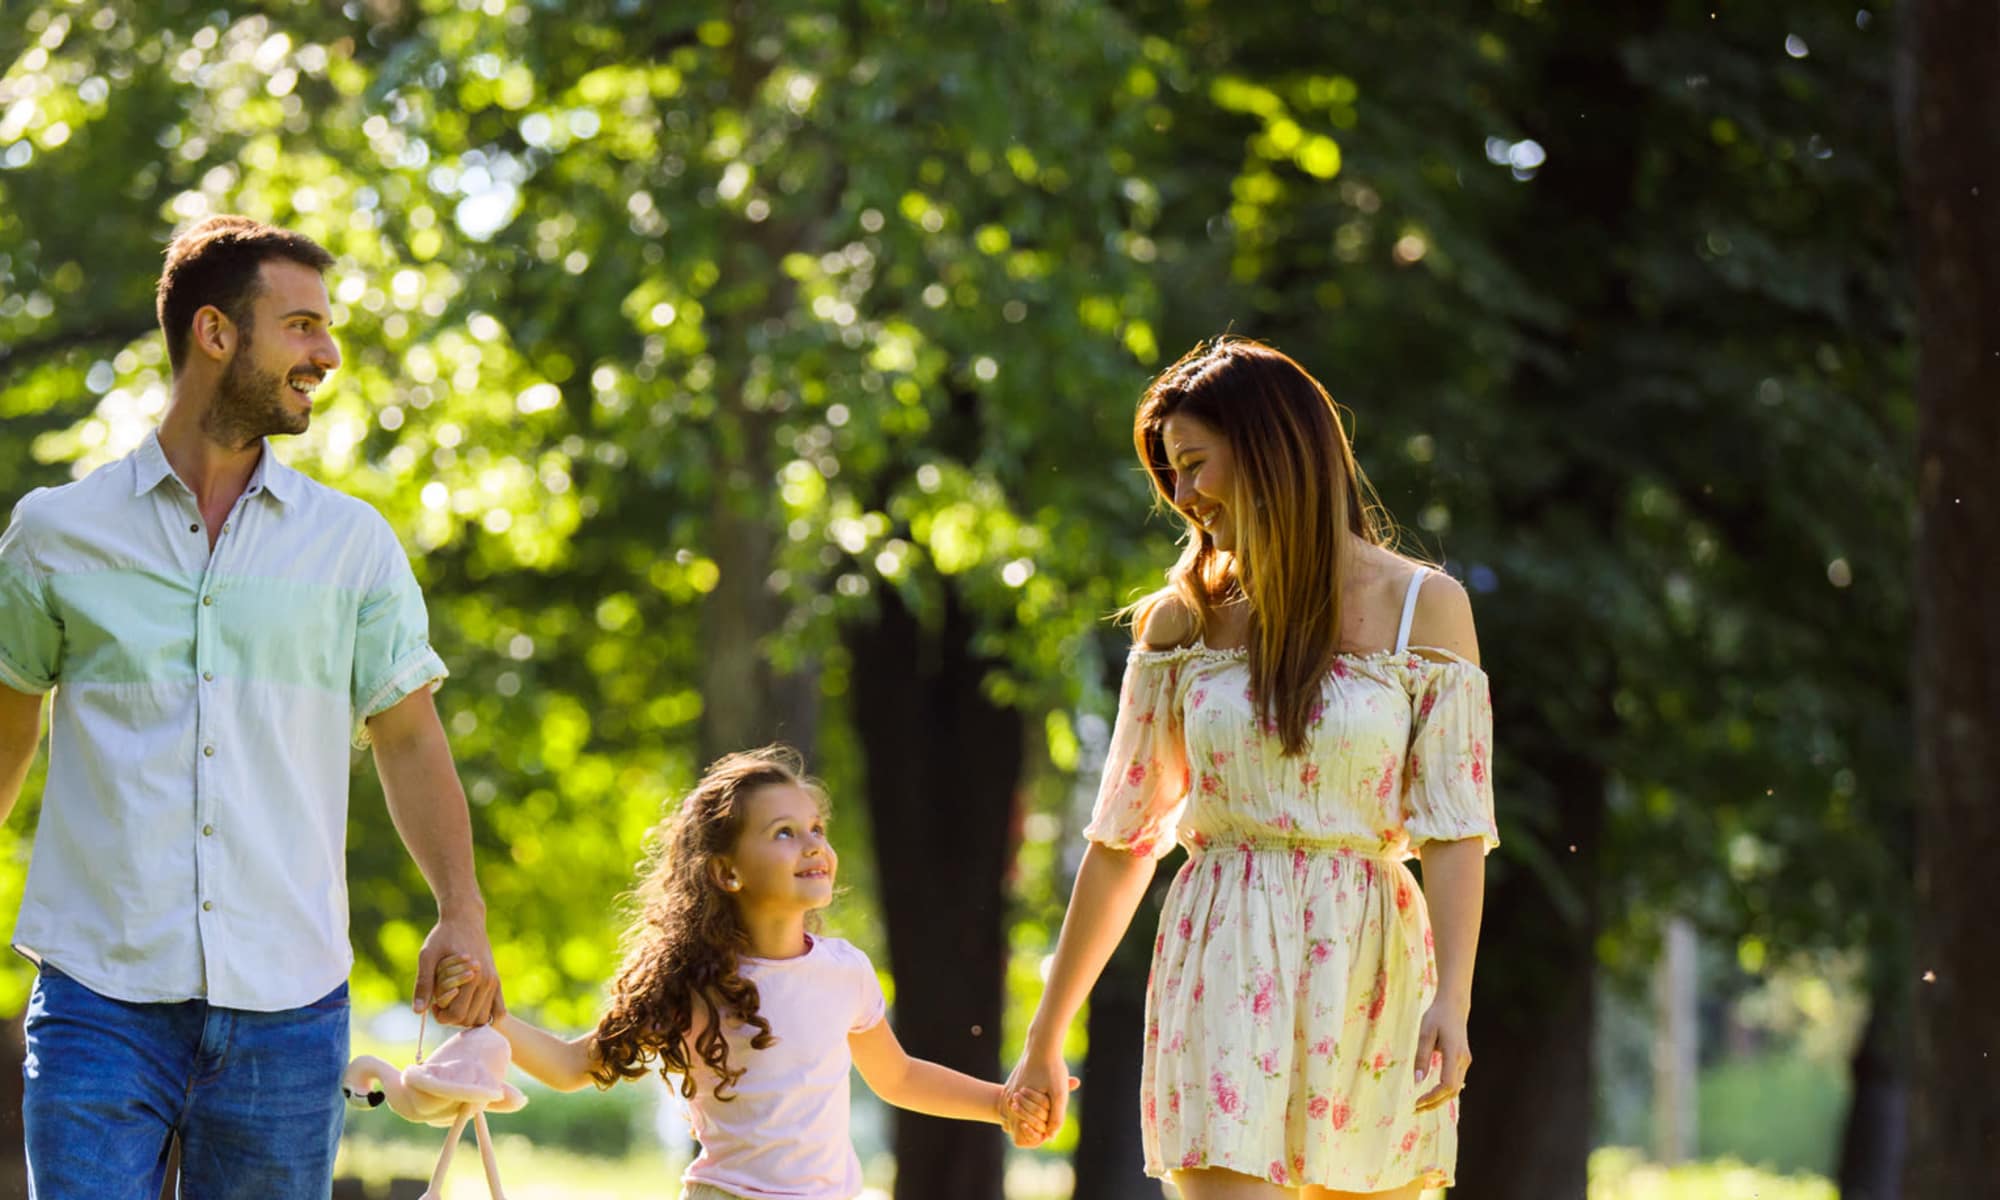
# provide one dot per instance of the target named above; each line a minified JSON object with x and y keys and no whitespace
{"x":215,"y":627}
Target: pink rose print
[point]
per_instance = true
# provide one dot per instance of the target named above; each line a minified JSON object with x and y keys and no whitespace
{"x":1299,"y":861}
{"x":1310,"y":774}
{"x":1316,"y":1108}
{"x":1283,"y":821}
{"x":1430,"y":942}
{"x":1260,"y":1004}
{"x":1388,"y":778}
{"x":1416,"y":766}
{"x":1135,"y":774}
{"x":1211,"y":784}
{"x":1217,"y":758}
{"x":1479,"y":762}
{"x":1381,"y":1062}
{"x":1298,"y":1164}
{"x":1430,"y":702}
{"x":1174,"y":1101}
{"x":1409,"y":1141}
{"x":1159,"y":944}
{"x":1194,"y":701}
{"x":1267,"y":1062}
{"x":1185,"y":928}
{"x":1200,"y":986}
{"x":1224,"y":1093}
{"x":1310,"y":914}
{"x":1321,"y":951}
{"x":1277,"y":1174}
{"x":1340,"y":668}
{"x":1315,"y":713}
{"x":1341,"y":1114}
{"x":1381,"y":996}
{"x":1324,"y":1047}
{"x":1402,"y":895}
{"x":1191,"y":1160}
{"x":1152,"y":1111}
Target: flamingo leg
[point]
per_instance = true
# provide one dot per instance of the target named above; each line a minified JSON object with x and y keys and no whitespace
{"x":486,"y":1155}
{"x":436,"y":1191}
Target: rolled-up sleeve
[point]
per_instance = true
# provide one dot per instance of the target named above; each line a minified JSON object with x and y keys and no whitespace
{"x":392,"y":646}
{"x":31,"y":634}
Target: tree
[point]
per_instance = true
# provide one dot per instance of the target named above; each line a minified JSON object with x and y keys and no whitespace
{"x":1951,"y":133}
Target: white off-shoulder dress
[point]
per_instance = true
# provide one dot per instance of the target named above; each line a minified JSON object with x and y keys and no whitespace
{"x":1294,"y":960}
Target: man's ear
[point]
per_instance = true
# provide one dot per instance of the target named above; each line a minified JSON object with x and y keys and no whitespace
{"x":214,"y":334}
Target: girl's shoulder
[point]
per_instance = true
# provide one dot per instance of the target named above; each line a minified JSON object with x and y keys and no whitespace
{"x":839,"y":952}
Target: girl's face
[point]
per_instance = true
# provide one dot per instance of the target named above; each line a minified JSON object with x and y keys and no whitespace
{"x":781,"y":859}
{"x":1204,"y":471}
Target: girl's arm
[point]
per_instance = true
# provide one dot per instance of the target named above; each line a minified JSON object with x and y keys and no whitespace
{"x":561,"y":1063}
{"x":920,"y":1085}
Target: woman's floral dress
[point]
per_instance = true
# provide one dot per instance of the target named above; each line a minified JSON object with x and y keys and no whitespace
{"x":1294,"y":961}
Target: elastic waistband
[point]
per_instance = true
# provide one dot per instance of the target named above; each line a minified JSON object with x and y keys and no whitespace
{"x":1359,"y":847}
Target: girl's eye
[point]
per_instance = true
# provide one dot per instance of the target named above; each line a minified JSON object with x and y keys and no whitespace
{"x":785,"y":832}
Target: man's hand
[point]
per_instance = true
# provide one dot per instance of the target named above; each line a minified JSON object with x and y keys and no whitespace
{"x":456,"y":979}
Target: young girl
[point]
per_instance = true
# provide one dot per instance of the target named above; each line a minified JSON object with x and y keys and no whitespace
{"x":725,"y":985}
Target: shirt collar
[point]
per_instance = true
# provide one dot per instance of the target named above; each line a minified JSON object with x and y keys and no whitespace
{"x":150,"y":466}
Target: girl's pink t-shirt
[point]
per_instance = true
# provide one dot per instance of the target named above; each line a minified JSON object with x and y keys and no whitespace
{"x":784,"y":1133}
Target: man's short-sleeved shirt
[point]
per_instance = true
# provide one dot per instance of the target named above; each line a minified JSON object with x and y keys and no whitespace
{"x":192,"y":840}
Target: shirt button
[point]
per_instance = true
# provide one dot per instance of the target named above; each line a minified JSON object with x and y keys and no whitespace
{"x":208,"y":831}
{"x":194,"y":529}
{"x":225,"y":527}
{"x":208,"y":906}
{"x":208,"y":751}
{"x":208,"y":676}
{"x":207,"y":600}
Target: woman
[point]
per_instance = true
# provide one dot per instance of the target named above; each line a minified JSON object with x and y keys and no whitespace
{"x":1303,"y":709}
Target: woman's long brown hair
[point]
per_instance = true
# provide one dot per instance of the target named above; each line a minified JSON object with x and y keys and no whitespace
{"x":1299,"y":495}
{"x":682,"y":948}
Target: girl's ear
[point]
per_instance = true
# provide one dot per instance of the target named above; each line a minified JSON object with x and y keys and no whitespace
{"x":722,"y":874}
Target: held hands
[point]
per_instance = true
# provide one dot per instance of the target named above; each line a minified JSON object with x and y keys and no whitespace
{"x":1025,"y":1112}
{"x":456,"y":979}
{"x":1443,"y":1054}
{"x":1040,"y":1086}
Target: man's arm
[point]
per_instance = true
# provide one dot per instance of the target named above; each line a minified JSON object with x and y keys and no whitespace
{"x":427,"y":805}
{"x":20,"y":733}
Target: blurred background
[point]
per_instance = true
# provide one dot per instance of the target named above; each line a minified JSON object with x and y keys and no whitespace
{"x":751,"y":370}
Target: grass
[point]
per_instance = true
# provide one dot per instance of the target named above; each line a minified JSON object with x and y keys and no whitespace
{"x":534,"y":1173}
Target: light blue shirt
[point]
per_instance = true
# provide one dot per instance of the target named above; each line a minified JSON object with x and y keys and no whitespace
{"x":192,"y":840}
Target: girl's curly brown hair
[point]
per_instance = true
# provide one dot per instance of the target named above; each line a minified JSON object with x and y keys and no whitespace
{"x":682,"y":948}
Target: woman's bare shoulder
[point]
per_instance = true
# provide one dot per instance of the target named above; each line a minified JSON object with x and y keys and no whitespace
{"x":1163,"y":621}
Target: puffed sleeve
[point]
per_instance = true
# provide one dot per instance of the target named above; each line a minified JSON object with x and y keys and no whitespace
{"x":1144,"y":789}
{"x":1448,"y":785}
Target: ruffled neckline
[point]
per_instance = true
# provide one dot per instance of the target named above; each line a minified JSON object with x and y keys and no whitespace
{"x":1202,"y":650}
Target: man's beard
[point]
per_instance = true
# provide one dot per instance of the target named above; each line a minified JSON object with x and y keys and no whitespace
{"x":249,"y":405}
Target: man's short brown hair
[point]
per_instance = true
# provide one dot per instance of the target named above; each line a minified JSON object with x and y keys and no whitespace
{"x":215,"y":261}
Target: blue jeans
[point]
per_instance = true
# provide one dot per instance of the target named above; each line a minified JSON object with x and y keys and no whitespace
{"x":255,"y":1097}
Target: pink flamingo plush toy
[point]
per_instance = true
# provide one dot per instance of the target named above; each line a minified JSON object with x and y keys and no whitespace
{"x":464,"y":1080}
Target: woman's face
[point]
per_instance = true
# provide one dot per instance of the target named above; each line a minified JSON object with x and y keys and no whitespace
{"x":1204,"y":472}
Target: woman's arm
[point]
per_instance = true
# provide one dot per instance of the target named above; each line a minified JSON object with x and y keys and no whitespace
{"x":561,"y":1063}
{"x":1109,"y":886}
{"x":1454,"y":890}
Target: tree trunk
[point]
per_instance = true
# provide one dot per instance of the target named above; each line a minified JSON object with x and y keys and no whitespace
{"x":943,"y":768}
{"x":1951,"y":129}
{"x":13,"y":1144}
{"x":1525,"y":1129}
{"x":1872,"y":1147}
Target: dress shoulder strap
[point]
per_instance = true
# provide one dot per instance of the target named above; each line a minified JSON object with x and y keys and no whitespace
{"x":1410,"y":609}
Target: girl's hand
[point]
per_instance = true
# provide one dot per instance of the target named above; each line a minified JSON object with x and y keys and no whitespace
{"x":1443,"y":1053}
{"x":454,"y":972}
{"x":1042,"y":1090}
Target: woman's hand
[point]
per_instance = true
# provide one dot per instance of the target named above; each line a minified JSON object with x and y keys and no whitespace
{"x":1443,"y":1053}
{"x":1039,"y":1079}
